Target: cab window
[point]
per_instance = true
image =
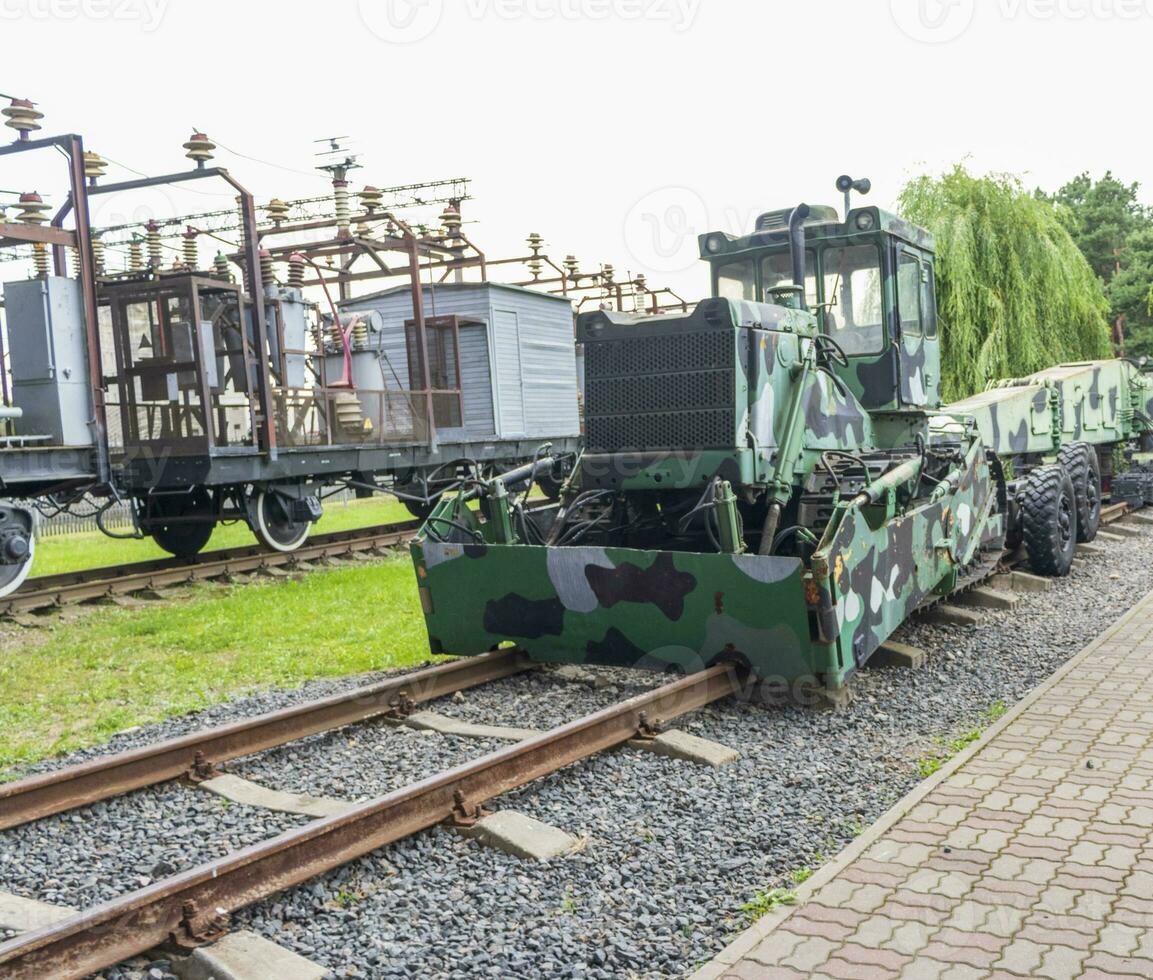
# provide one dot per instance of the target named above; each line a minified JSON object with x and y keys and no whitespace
{"x":736,"y":280}
{"x":909,"y":293}
{"x":853,"y":298}
{"x":777,"y":268}
{"x":929,"y":301}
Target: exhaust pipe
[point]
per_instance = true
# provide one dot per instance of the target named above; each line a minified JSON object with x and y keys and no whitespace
{"x":797,"y":248}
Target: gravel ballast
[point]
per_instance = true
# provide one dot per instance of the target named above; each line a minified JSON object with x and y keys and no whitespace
{"x":670,"y":850}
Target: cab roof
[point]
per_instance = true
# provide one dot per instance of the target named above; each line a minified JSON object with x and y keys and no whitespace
{"x":822,"y":223}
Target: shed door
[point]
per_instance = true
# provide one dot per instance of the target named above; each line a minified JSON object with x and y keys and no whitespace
{"x":509,"y":384}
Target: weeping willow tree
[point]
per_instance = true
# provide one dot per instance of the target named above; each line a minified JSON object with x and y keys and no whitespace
{"x":1015,"y":293}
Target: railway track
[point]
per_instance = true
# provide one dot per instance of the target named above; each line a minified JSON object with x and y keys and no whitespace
{"x":192,"y":907}
{"x":88,"y":585}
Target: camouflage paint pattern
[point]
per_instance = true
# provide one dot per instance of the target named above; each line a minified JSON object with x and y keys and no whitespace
{"x":737,"y":391}
{"x":662,"y":609}
{"x":649,"y":609}
{"x":1099,"y":402}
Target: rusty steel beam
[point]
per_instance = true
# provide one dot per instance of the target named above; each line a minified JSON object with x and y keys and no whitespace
{"x":193,"y":906}
{"x":195,"y":754}
{"x":16,"y":234}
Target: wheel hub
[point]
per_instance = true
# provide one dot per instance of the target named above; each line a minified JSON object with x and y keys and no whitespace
{"x":14,"y":547}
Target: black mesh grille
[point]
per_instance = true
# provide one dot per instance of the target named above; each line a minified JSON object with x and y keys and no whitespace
{"x":660,"y":392}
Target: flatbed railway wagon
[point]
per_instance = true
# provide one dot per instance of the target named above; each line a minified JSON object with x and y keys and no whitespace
{"x":772,"y":479}
{"x":209,"y":392}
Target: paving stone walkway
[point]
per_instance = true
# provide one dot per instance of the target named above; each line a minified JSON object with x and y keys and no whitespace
{"x":1030,"y":855}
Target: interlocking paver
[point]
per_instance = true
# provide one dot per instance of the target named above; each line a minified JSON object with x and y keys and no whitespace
{"x":1034,"y":859}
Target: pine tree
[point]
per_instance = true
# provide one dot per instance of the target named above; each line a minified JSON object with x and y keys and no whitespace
{"x":1015,"y":293}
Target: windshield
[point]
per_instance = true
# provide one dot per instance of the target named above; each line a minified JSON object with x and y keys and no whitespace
{"x":853,"y":298}
{"x":736,"y":281}
{"x":778,"y":268}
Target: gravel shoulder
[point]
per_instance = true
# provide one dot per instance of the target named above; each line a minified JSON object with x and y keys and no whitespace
{"x":671,"y":851}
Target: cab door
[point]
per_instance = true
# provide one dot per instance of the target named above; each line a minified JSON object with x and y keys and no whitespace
{"x":917,"y":342}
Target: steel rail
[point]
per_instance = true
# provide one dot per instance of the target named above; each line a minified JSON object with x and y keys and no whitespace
{"x":47,"y":582}
{"x":192,"y":907}
{"x":95,"y":583}
{"x":195,"y":754}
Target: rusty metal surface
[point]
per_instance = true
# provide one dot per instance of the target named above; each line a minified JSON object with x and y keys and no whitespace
{"x":194,"y":755}
{"x":180,"y":908}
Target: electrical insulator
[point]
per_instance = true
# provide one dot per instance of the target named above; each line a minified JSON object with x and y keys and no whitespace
{"x":535,"y":264}
{"x":370,"y":198}
{"x":95,"y":166}
{"x":220,"y":266}
{"x":571,"y":266}
{"x":607,"y":273}
{"x":152,"y":237}
{"x":276,"y":210}
{"x":23,"y":117}
{"x":296,"y":271}
{"x":266,"y":275}
{"x":340,"y":197}
{"x":199,"y":148}
{"x":451,"y":220}
{"x":135,"y":255}
{"x":98,"y":254}
{"x":363,"y":230}
{"x":191,"y":255}
{"x":641,"y":292}
{"x":32,"y":208}
{"x":32,"y":212}
{"x":360,"y":334}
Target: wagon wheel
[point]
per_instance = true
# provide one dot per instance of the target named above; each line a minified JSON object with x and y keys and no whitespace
{"x":17,"y":548}
{"x":188,"y":521}
{"x":273,"y":523}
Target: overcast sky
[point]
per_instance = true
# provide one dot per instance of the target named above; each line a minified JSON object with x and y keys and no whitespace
{"x":618,"y":129}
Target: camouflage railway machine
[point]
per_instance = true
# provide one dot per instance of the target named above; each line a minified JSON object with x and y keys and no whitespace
{"x":771,"y":478}
{"x":1060,"y":433}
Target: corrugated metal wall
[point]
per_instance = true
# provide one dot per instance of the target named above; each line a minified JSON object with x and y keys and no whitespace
{"x":527,"y":336}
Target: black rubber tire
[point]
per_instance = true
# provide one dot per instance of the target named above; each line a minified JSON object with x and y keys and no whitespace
{"x":1080,"y":461}
{"x":183,"y":538}
{"x":1049,"y":520}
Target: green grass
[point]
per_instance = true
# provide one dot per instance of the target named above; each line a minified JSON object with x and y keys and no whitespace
{"x":947,"y":748}
{"x":72,"y":552}
{"x":78,"y":682}
{"x":763,"y":903}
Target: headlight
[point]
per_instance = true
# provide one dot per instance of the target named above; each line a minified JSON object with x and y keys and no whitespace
{"x":714,"y":244}
{"x":865,"y":221}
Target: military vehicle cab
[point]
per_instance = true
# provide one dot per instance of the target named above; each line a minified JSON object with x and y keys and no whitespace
{"x":870,"y":280}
